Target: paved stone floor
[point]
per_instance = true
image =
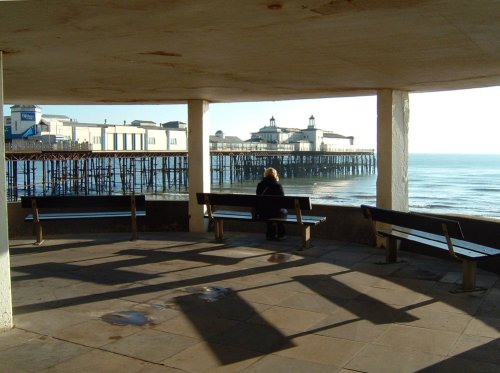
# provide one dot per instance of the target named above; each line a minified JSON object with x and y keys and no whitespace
{"x":188,"y":304}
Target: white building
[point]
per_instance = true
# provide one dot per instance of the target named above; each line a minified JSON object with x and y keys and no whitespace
{"x":28,"y":123}
{"x":23,"y":121}
{"x":220,"y":141}
{"x":309,"y":139}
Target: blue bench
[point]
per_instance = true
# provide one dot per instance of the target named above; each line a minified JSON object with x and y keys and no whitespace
{"x":45,"y":208}
{"x":250,"y":203}
{"x":434,"y":232}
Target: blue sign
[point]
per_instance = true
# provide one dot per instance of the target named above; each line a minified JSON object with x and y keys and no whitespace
{"x":28,"y":116}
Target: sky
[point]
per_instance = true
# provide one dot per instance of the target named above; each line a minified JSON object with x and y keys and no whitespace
{"x":466,"y":121}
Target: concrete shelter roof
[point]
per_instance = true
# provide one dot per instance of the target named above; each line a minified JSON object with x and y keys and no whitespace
{"x":152,"y":51}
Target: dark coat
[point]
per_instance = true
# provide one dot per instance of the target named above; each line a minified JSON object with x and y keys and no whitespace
{"x":270,"y":187}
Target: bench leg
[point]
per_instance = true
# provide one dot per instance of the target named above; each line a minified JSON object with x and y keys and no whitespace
{"x":133,"y":228}
{"x":219,"y":229}
{"x":39,"y":234}
{"x":391,"y":250}
{"x":469,"y":275}
{"x":306,"y":237}
{"x":468,"y":278}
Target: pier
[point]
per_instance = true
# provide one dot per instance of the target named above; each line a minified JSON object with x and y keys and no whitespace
{"x":59,"y":170}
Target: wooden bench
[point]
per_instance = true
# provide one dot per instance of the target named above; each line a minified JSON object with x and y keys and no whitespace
{"x":434,"y":232}
{"x":83,"y":207}
{"x":251,"y":203}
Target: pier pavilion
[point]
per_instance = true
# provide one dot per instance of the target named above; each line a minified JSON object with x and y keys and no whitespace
{"x":146,"y":52}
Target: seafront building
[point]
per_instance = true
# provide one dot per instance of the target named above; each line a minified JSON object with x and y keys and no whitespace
{"x":28,"y":123}
{"x":308,"y":139}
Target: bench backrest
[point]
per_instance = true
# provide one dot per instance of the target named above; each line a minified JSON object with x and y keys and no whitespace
{"x":412,"y":220}
{"x":97,"y":202}
{"x":252,"y":200}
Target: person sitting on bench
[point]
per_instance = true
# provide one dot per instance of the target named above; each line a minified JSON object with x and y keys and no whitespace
{"x":269,"y":185}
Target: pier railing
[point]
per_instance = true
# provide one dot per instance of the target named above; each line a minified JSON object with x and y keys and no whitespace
{"x":251,"y":147}
{"x":37,"y":146}
{"x":73,"y":146}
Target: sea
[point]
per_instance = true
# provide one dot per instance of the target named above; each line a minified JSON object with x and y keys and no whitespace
{"x":467,"y":184}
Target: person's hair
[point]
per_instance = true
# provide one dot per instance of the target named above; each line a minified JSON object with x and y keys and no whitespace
{"x":271,"y":172}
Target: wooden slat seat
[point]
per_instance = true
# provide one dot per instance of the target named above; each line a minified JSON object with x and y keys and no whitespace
{"x":251,"y":203}
{"x":243,"y":215}
{"x":46,"y":208}
{"x":438,"y":233}
{"x":84,"y":215}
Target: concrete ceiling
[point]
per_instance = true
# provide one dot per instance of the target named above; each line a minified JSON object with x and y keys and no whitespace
{"x":159,"y":51}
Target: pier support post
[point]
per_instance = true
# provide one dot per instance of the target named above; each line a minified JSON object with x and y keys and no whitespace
{"x":5,"y":287}
{"x":392,"y":149}
{"x":199,"y":162}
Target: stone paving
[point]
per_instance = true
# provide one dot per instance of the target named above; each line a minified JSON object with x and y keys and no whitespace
{"x":180,"y":302}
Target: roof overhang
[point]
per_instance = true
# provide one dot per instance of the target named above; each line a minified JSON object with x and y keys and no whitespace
{"x":149,"y":51}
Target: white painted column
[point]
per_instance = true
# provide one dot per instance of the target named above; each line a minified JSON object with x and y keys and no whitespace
{"x":5,"y":288}
{"x":199,"y":161}
{"x":392,"y":149}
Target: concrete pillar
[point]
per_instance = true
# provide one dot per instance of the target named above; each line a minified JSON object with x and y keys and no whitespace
{"x":199,"y":162}
{"x":392,"y":149}
{"x":5,"y":289}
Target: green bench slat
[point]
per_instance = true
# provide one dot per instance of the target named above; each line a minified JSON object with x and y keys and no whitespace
{"x":118,"y":202}
{"x":252,"y":200}
{"x":84,"y":215}
{"x":433,"y":243}
{"x":306,"y":219}
{"x":243,"y":215}
{"x":457,"y":243}
{"x":428,"y":230}
{"x":421,"y":222}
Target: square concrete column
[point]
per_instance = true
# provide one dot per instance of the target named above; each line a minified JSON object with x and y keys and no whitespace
{"x":5,"y":288}
{"x":392,"y":149}
{"x":199,"y":162}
